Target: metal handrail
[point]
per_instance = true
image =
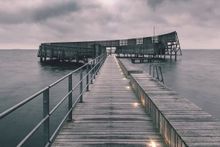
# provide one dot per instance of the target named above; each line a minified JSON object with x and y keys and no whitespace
{"x":15,"y":107}
{"x":156,"y":72}
{"x":90,"y":73}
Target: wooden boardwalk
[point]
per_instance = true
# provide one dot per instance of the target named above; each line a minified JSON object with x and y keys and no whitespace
{"x":178,"y":119}
{"x":109,"y":116}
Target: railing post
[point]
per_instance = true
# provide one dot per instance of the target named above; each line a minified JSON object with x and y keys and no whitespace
{"x":94,"y":70}
{"x":153,"y":70}
{"x":97,"y":65}
{"x":81,"y":86}
{"x":46,"y":110}
{"x":158,"y":78}
{"x":87,"y":77}
{"x":100,"y":63}
{"x":70,"y":99}
{"x":91,"y":74}
{"x":161,"y":74}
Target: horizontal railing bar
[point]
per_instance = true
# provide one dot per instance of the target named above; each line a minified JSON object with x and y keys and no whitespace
{"x":84,"y":89}
{"x":15,"y":107}
{"x":33,"y":131}
{"x":75,"y":102}
{"x":59,"y":126}
{"x":76,"y":85}
{"x":61,"y":79}
{"x":61,"y":101}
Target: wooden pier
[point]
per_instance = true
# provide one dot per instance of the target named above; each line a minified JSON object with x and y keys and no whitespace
{"x":110,"y":115}
{"x":181,"y":123}
{"x":145,"y":48}
{"x":124,"y":107}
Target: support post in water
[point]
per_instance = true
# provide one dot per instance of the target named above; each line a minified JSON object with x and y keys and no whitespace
{"x":70,"y":99}
{"x":87,"y":77}
{"x":81,"y":86}
{"x":46,"y":110}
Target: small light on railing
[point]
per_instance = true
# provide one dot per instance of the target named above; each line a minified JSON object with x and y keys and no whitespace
{"x":127,"y":87}
{"x":124,"y":79}
{"x":135,"y":105}
{"x":152,"y":144}
{"x":143,"y":101}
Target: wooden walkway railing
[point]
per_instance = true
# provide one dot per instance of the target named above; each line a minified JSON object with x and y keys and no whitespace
{"x":179,"y":121}
{"x":110,"y":115}
{"x":87,"y":72}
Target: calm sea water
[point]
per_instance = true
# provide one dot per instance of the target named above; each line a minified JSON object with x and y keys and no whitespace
{"x":196,"y":76}
{"x":21,"y":75}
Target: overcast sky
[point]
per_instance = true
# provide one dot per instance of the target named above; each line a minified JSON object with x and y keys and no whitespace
{"x":27,"y":23}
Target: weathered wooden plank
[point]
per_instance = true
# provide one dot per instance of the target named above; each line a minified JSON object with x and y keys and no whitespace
{"x":109,"y":116}
{"x":108,"y":144}
{"x":195,"y":127}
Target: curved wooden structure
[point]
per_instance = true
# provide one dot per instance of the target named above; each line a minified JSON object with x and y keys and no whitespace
{"x":155,"y":47}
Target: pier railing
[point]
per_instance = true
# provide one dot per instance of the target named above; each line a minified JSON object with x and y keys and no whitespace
{"x":156,"y":72}
{"x":91,"y":68}
{"x":161,"y":123}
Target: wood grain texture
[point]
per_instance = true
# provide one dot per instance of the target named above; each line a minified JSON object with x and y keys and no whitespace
{"x":108,"y":116}
{"x":195,"y":126}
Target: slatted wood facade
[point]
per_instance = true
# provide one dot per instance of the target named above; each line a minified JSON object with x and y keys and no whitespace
{"x":155,"y":46}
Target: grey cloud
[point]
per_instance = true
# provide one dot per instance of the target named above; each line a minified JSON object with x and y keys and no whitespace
{"x":39,"y":13}
{"x":60,"y":9}
{"x":154,"y":3}
{"x":75,"y":20}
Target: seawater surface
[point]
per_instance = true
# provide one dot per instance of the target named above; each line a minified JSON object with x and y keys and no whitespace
{"x":195,"y":76}
{"x":21,"y":75}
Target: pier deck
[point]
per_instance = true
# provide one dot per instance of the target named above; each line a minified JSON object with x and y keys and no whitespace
{"x":180,"y":122}
{"x":110,"y":115}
